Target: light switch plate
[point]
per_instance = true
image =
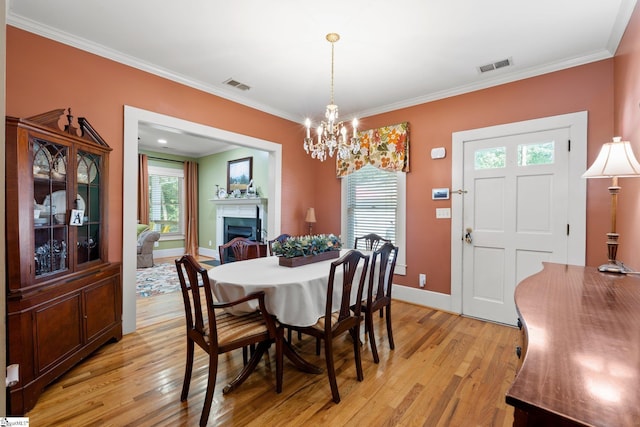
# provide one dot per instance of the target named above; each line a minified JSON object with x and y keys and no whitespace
{"x":443,"y":212}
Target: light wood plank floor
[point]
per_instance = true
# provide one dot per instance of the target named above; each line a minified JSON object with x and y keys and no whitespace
{"x":446,"y":370}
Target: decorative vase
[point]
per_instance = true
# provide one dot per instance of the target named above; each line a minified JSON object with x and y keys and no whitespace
{"x":304,"y":260}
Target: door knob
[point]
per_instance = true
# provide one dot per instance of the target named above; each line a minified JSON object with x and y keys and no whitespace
{"x":467,"y":236}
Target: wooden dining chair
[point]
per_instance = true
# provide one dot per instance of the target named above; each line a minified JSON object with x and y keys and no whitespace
{"x":383,"y":265}
{"x":221,"y":332}
{"x":334,"y":324}
{"x":241,"y":247}
{"x":370,"y":241}
{"x":281,"y":238}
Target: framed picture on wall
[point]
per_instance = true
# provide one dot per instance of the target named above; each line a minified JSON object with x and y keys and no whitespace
{"x":239,"y":173}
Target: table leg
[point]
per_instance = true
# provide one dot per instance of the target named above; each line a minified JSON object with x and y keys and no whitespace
{"x":248,"y":368}
{"x":297,"y":360}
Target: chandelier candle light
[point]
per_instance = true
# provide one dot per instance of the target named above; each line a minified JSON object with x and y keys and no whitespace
{"x":332,"y":135}
{"x":616,"y":160}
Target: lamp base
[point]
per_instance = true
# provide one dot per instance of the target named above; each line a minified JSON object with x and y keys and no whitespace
{"x":616,"y":267}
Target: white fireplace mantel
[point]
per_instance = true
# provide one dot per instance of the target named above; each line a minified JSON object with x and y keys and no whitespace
{"x":238,"y":208}
{"x":244,"y":201}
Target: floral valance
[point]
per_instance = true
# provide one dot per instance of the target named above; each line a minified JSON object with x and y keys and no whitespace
{"x":386,"y":148}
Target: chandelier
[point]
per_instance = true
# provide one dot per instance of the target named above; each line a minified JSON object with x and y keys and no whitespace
{"x":331,"y":134}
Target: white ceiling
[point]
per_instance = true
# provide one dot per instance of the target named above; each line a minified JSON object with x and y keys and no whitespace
{"x":390,"y":55}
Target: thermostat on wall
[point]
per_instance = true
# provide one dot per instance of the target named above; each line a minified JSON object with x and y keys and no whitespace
{"x":438,"y":153}
{"x":440,"y":193}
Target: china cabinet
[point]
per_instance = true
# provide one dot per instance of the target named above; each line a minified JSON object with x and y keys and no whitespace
{"x":64,"y":298}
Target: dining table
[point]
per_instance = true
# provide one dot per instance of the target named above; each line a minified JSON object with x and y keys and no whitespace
{"x":294,"y":295}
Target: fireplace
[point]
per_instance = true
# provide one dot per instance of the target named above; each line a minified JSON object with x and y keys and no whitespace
{"x":240,"y":227}
{"x":240,"y":218}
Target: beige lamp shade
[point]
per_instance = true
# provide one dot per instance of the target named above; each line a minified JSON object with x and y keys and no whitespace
{"x":616,"y":159}
{"x":311,"y":216}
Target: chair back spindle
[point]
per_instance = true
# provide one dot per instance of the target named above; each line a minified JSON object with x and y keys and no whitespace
{"x":349,"y":264}
{"x":370,"y":241}
{"x":241,"y":247}
{"x":383,"y":264}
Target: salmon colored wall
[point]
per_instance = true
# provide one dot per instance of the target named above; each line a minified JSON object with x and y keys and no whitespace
{"x":627,"y":125}
{"x":588,"y":87}
{"x":53,"y":75}
{"x":43,"y":75}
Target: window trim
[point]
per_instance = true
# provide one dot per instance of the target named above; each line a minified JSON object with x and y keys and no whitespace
{"x":401,"y":216}
{"x":179,"y":173}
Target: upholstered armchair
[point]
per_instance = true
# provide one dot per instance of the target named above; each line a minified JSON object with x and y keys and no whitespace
{"x":146,"y":239}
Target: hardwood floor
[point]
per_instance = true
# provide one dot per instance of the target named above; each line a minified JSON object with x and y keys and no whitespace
{"x":446,"y":370}
{"x":150,"y":311}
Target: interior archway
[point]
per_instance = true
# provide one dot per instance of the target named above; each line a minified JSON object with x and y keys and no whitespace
{"x":132,"y":118}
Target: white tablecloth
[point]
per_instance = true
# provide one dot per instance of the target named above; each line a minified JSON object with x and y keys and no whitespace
{"x":295,"y":295}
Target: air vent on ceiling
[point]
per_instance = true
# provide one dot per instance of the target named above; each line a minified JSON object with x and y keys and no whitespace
{"x":496,"y":65}
{"x":237,"y":84}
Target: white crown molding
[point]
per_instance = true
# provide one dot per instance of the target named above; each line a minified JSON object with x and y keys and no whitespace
{"x":484,"y":84}
{"x":620,"y":24}
{"x":622,"y":19}
{"x":117,"y":56}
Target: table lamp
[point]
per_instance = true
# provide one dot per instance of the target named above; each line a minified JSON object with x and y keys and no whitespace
{"x":616,"y":160}
{"x":310,"y":218}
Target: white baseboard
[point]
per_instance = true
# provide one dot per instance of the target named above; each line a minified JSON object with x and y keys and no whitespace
{"x":430,"y":299}
{"x":211,"y":253}
{"x":166,"y":253}
{"x":178,"y":252}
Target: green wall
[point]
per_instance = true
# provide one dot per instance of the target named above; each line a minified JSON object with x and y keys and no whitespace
{"x":212,"y":171}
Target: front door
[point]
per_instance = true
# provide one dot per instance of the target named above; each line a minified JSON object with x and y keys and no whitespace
{"x":520,"y":192}
{"x":515,"y":216}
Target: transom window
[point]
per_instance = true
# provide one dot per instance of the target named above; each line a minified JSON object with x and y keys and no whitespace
{"x":491,"y":158}
{"x":539,"y":153}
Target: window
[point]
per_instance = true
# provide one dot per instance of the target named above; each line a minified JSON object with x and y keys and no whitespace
{"x":540,"y":153}
{"x":166,"y":201}
{"x":373,"y":201}
{"x":491,"y":158}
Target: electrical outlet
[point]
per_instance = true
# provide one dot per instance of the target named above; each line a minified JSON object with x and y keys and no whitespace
{"x":209,"y":243}
{"x":156,"y":244}
{"x":423,"y":280}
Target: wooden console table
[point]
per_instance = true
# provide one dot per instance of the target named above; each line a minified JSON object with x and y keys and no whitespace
{"x":581,"y":349}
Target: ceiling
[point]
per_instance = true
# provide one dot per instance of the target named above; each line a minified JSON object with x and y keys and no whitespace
{"x":390,"y":54}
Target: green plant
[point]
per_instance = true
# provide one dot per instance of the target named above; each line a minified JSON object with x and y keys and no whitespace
{"x":296,"y":246}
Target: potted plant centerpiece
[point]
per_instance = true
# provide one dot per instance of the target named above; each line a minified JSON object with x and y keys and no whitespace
{"x":301,"y":250}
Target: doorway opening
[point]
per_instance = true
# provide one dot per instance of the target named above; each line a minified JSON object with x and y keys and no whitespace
{"x":132,"y":119}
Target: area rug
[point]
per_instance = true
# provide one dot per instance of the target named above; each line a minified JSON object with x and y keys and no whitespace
{"x":157,"y":280}
{"x":161,"y":278}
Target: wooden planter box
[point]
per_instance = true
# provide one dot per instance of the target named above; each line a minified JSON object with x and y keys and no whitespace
{"x":304,"y":260}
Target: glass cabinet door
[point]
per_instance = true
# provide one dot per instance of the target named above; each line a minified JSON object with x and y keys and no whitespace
{"x":49,"y":207}
{"x":88,"y":207}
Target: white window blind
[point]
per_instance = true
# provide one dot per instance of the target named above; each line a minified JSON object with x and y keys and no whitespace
{"x":372,"y":203}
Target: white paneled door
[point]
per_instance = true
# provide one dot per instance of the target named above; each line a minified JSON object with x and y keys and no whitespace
{"x":515,"y":216}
